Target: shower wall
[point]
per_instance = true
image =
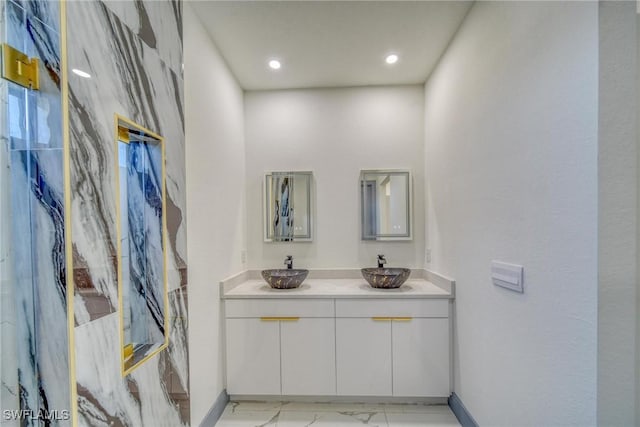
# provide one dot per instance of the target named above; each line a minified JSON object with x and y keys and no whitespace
{"x":35,"y":369}
{"x":133,"y":52}
{"x":9,"y":359}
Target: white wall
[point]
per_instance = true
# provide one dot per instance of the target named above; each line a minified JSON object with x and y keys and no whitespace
{"x":637,"y":309}
{"x":335,"y":133}
{"x":216,"y":211}
{"x":638,"y":222}
{"x":511,"y":161}
{"x":618,"y":210}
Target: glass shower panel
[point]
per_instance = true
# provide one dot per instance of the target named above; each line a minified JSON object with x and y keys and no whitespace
{"x":35,"y":372}
{"x":9,"y":390}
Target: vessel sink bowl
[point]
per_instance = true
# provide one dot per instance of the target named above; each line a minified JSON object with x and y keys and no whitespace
{"x":386,"y":278}
{"x":284,"y":278}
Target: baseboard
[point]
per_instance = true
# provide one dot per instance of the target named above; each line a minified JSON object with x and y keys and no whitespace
{"x":461,"y":413}
{"x":216,"y":410}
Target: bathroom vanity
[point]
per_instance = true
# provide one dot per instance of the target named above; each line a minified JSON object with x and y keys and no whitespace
{"x":338,"y":337}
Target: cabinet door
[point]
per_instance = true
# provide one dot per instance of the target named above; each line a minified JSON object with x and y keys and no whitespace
{"x":421,"y":357}
{"x":363,"y":357}
{"x":253,"y":356}
{"x":308,"y":357}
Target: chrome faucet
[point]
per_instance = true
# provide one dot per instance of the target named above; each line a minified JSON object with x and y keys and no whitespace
{"x":288,"y":261}
{"x":381,"y":261}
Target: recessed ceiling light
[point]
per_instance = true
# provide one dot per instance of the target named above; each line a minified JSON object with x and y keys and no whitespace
{"x":391,"y":59}
{"x":274,"y":64}
{"x":81,"y":73}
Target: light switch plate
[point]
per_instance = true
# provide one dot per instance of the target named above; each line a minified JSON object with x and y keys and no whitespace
{"x":508,"y":276}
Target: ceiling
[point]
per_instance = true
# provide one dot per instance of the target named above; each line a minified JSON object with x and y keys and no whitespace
{"x":330,"y":43}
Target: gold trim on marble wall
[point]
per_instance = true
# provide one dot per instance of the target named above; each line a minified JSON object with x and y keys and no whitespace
{"x":126,"y":350}
{"x":123,"y":134}
{"x":68,"y":244}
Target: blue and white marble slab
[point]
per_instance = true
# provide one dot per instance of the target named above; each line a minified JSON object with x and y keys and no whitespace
{"x":106,"y":398}
{"x":134,"y":79}
{"x":9,"y":389}
{"x":157,"y":23}
{"x":32,"y":145}
{"x":178,"y":339}
{"x":130,"y":79}
{"x":40,"y":278}
{"x":46,"y":11}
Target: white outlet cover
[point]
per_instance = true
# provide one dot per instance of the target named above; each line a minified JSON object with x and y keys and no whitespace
{"x":509,"y":276}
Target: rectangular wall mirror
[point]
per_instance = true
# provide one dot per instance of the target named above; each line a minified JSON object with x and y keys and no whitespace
{"x":385,"y":204}
{"x":142,"y":271}
{"x":288,"y":207}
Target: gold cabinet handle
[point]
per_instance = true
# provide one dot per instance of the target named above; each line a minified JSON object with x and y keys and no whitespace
{"x":386,"y":319}
{"x":276,"y":319}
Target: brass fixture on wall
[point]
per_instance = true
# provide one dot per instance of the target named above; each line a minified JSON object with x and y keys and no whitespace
{"x":17,"y":67}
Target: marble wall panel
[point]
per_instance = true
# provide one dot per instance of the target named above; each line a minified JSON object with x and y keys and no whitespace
{"x":9,"y":390}
{"x":32,"y":151}
{"x":157,"y":24}
{"x":46,"y":11}
{"x":130,"y":79}
{"x":133,"y":51}
{"x":141,"y":80}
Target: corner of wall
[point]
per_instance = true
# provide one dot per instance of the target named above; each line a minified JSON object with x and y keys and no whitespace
{"x":618,"y":200}
{"x":531,"y":99}
{"x":216,"y":199}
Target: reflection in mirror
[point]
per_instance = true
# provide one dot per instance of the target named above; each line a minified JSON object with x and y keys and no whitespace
{"x":287,"y":206}
{"x":385,"y":203}
{"x":142,"y":279}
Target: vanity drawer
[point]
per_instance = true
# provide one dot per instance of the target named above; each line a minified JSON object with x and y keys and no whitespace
{"x":392,"y":308}
{"x":279,"y":308}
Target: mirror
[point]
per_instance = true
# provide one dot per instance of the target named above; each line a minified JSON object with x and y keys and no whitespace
{"x":141,"y":225}
{"x":287,"y":206}
{"x":385,"y":204}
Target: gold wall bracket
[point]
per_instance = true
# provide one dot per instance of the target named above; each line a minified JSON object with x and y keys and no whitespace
{"x":19,"y":68}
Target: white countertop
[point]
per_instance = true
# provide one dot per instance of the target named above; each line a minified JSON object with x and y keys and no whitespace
{"x":337,"y":288}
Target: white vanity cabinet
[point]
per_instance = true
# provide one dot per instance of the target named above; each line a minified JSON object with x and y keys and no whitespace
{"x":280,"y":347}
{"x":253,"y":356}
{"x":338,"y":346}
{"x":393,"y":348}
{"x":363,"y":357}
{"x":421,"y":360}
{"x":307,"y":349}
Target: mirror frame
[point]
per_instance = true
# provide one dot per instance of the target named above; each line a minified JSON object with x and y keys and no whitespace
{"x":387,"y":237}
{"x":266,"y":228}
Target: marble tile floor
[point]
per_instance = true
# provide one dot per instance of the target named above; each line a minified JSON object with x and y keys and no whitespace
{"x":298,"y":414}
